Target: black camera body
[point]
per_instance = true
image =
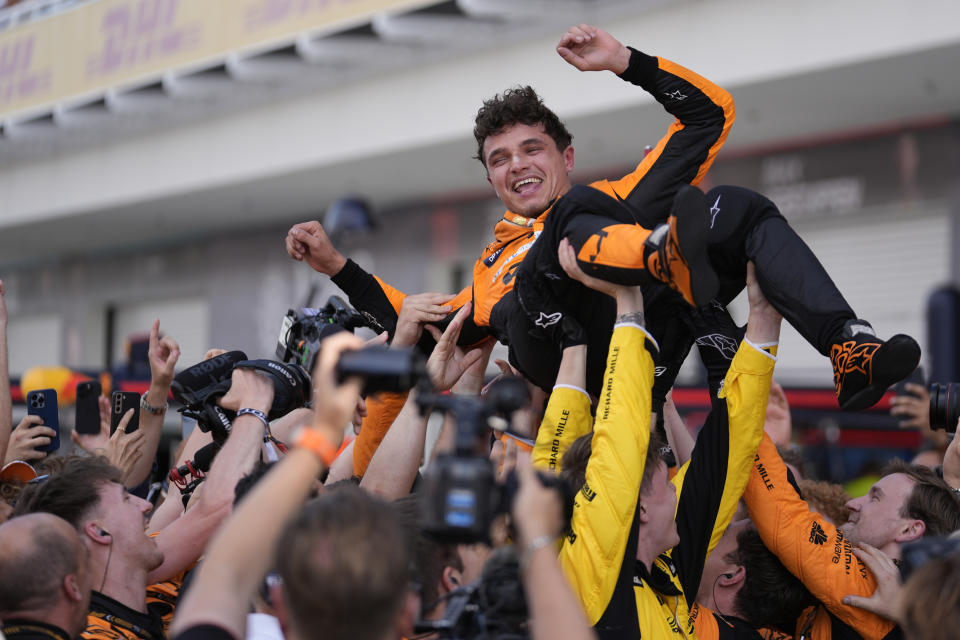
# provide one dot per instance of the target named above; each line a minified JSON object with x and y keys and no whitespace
{"x":383,"y":369}
{"x":944,"y":406}
{"x":461,"y":497}
{"x":200,"y":387}
{"x":301,"y":332}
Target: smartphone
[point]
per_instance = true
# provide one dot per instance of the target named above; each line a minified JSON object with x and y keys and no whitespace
{"x":120,"y":403}
{"x":88,"y":408}
{"x":916,"y":378}
{"x":43,"y":403}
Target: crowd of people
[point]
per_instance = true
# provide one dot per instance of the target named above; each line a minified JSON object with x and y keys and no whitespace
{"x":580,"y":508}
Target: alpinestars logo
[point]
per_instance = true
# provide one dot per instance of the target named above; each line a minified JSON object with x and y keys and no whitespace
{"x":676,"y":95}
{"x":714,"y":210}
{"x":726,"y":345}
{"x":817,"y":535}
{"x":545,"y":320}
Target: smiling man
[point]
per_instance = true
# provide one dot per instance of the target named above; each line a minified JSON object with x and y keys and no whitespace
{"x":527,"y":153}
{"x":906,"y":503}
{"x":649,"y":228}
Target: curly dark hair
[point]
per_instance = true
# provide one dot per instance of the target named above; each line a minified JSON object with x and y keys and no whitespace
{"x":771,"y":596}
{"x":519,"y":105}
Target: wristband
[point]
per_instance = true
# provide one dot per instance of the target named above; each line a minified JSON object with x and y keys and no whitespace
{"x":149,"y":408}
{"x":246,"y":411}
{"x":318,"y":444}
{"x":535,"y":545}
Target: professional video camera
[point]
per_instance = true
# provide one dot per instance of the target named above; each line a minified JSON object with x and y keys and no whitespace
{"x":460,"y":495}
{"x":944,"y":406}
{"x":493,"y":608}
{"x":200,"y":387}
{"x":301,"y":332}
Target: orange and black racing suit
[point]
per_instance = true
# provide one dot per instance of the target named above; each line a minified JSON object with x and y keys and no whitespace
{"x":704,"y":114}
{"x":111,"y":620}
{"x":813,"y":550}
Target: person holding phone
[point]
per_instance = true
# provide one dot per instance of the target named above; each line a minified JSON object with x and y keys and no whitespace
{"x":28,"y":439}
{"x":163,"y":354}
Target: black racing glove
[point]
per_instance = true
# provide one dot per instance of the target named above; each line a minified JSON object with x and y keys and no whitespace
{"x":548,"y":316}
{"x":717,"y":338}
{"x":667,"y":321}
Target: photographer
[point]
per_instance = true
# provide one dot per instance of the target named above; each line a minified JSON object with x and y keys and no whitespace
{"x":344,"y":575}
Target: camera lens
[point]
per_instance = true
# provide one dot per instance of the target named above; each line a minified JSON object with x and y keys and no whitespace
{"x":944,"y":406}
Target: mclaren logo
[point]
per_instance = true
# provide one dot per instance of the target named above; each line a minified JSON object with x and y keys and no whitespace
{"x":545,"y":320}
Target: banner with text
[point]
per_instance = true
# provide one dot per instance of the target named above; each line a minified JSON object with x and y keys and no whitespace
{"x":113,"y":42}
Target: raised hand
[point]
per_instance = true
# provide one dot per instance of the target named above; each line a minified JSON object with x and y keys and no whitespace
{"x":96,"y":443}
{"x":334,"y":403}
{"x":446,"y":364}
{"x":592,"y":49}
{"x":124,"y":450}
{"x":308,"y":242}
{"x":163,"y":354}
{"x":912,"y":406}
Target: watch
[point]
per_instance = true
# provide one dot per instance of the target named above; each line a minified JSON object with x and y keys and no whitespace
{"x":149,"y":408}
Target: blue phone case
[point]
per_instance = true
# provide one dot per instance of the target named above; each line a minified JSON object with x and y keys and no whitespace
{"x":43,"y":403}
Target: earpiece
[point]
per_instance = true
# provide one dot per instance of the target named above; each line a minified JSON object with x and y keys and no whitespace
{"x":728,"y":576}
{"x":104,"y":533}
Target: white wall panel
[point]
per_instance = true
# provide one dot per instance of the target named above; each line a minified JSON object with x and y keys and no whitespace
{"x":184,"y":319}
{"x":34,"y":340}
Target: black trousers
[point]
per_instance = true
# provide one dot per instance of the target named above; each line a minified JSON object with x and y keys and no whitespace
{"x":745,"y":226}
